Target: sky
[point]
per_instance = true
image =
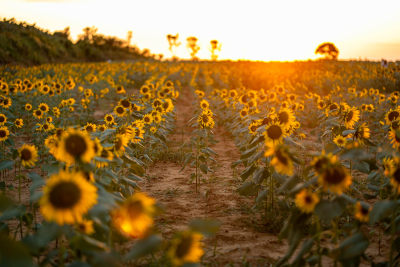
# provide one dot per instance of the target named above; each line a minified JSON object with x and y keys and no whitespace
{"x":264,"y":30}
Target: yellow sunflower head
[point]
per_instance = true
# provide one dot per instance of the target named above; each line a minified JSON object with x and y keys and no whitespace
{"x":67,"y":196}
{"x":335,"y":177}
{"x":274,"y":132}
{"x":306,"y":200}
{"x":28,"y":155}
{"x":187,"y":247}
{"x":75,"y":146}
{"x":4,"y":133}
{"x":361,"y":212}
{"x":281,"y":160}
{"x":134,"y":217}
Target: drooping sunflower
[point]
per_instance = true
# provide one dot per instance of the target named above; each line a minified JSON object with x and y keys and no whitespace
{"x":67,"y":196}
{"x":4,"y":133}
{"x":281,"y":160}
{"x":75,"y":146}
{"x":361,"y":212}
{"x":134,"y":217}
{"x":28,"y":155}
{"x":107,"y":155}
{"x":340,"y":141}
{"x":335,"y":177}
{"x":350,"y":117}
{"x":306,"y":200}
{"x":395,"y":177}
{"x":52,"y":143}
{"x":120,"y":142}
{"x":362,"y":132}
{"x":187,"y":247}
{"x":394,"y":137}
{"x":274,"y":132}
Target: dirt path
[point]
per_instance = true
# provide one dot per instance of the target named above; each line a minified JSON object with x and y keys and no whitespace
{"x":238,"y":239}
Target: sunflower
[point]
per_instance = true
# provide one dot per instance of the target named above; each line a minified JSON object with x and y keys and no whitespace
{"x":306,"y":200}
{"x":199,"y":93}
{"x":67,"y":196}
{"x":340,"y":141}
{"x":102,"y":127}
{"x":144,"y":89}
{"x":47,"y":126}
{"x":120,"y":89}
{"x":120,"y":142}
{"x":204,"y":104}
{"x":109,"y":119}
{"x":43,"y":107}
{"x":334,"y":177}
{"x":52,"y":142}
{"x":254,"y":126}
{"x":19,"y":123}
{"x":187,"y":247}
{"x":134,"y":217}
{"x":274,"y":132}
{"x":205,"y":120}
{"x":120,"y":111}
{"x":350,"y":117}
{"x":392,"y":115}
{"x":395,"y":177}
{"x":157,"y":118}
{"x":85,"y":226}
{"x":90,"y":127}
{"x":6,"y":103}
{"x":153,"y":129}
{"x":281,"y":160}
{"x":28,"y":107}
{"x":38,"y":114}
{"x":3,"y":119}
{"x":362,"y":132}
{"x":107,"y":156}
{"x":322,"y":161}
{"x":244,"y":112}
{"x":362,"y":211}
{"x":147,"y":119}
{"x":332,"y":109}
{"x":388,"y":166}
{"x":4,"y":133}
{"x":28,"y":155}
{"x":394,"y":136}
{"x":75,"y":146}
{"x":125,"y":103}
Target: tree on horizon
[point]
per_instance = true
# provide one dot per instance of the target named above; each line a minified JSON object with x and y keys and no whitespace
{"x":329,"y":50}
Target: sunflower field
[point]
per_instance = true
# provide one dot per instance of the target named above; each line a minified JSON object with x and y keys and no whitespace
{"x":152,"y":163}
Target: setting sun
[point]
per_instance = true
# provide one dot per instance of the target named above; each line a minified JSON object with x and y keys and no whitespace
{"x":255,"y":30}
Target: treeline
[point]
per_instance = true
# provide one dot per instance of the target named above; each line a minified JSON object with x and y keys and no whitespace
{"x":22,"y":43}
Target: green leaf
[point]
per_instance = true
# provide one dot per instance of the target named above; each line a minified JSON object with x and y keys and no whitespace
{"x":6,"y":165}
{"x":247,"y":172}
{"x":13,"y":253}
{"x":352,"y":247}
{"x":381,"y":209}
{"x":143,"y":247}
{"x":327,"y":210}
{"x":204,"y":168}
{"x":249,"y":188}
{"x":207,"y":227}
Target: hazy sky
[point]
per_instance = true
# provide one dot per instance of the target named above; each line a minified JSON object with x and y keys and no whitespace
{"x":256,"y":30}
